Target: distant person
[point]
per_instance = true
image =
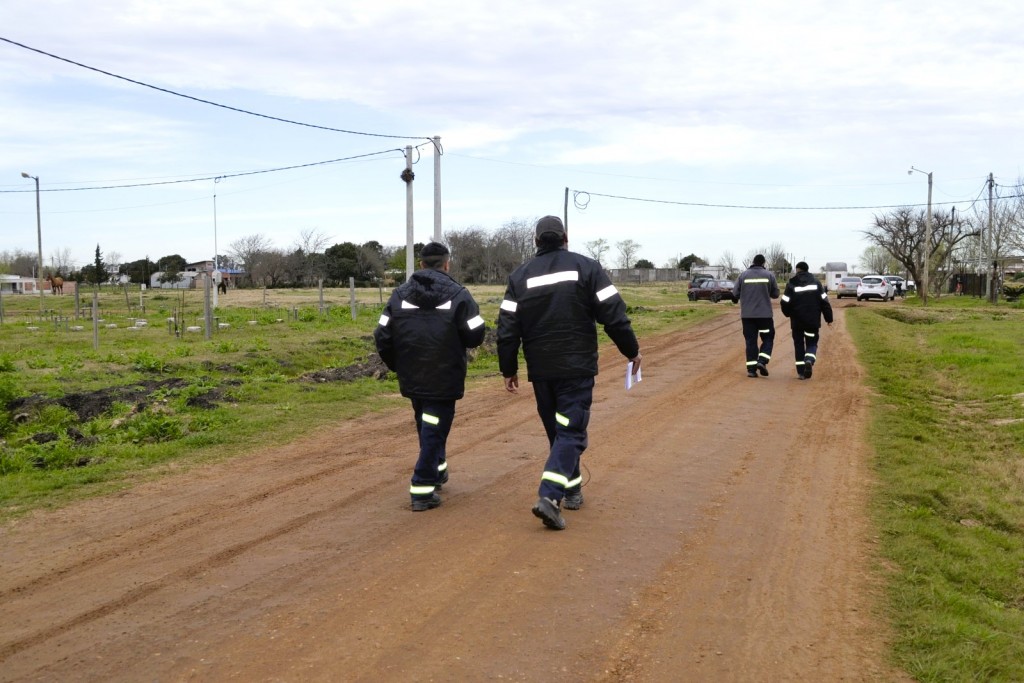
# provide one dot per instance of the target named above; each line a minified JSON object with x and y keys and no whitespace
{"x":899,"y":289}
{"x":424,"y":331}
{"x":755,"y":288}
{"x":805,"y":302}
{"x":551,"y":305}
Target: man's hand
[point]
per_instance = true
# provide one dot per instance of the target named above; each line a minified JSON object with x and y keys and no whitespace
{"x":512,"y":384}
{"x":636,"y":363}
{"x":830,"y":324}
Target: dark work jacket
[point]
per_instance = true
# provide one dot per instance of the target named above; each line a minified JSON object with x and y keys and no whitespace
{"x":424,"y":331}
{"x":552,"y":306}
{"x":805,"y":301}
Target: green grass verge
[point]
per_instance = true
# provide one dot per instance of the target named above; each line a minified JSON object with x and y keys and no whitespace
{"x":948,"y":438}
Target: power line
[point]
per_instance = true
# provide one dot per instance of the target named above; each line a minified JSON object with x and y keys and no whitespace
{"x":214,"y":104}
{"x":582,"y":203}
{"x":212,"y":177}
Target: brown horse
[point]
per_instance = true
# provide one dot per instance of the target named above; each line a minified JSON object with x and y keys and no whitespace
{"x":56,"y":284}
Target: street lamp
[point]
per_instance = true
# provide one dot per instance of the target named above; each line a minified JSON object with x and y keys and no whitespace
{"x":39,"y":237}
{"x":927,"y":234}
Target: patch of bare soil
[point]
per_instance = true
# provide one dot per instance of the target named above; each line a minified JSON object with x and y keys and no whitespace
{"x":723,"y":538}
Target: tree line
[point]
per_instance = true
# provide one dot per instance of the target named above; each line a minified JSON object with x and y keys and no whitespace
{"x":981,"y":240}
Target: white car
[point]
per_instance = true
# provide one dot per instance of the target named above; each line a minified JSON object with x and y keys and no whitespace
{"x":874,"y":286}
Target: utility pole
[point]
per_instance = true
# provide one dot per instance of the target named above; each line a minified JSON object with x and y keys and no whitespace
{"x":927,"y":235}
{"x":437,"y":188}
{"x":992,"y":277}
{"x":408,"y":176}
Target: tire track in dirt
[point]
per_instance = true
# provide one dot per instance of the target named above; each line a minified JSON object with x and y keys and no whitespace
{"x":329,"y":576}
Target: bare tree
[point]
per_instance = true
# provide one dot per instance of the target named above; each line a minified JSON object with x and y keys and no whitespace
{"x":774,"y":258}
{"x":628,"y":250}
{"x":901,"y":232}
{"x":728,"y":261}
{"x":246,"y":250}
{"x":309,"y":252}
{"x":518,"y":234}
{"x":875,"y":259}
{"x":597,"y":249}
{"x":61,"y":261}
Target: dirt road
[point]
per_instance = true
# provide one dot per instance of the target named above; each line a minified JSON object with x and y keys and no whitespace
{"x":723,"y":538}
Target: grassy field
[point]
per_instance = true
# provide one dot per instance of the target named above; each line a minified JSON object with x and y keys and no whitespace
{"x":83,"y":418}
{"x":948,"y":438}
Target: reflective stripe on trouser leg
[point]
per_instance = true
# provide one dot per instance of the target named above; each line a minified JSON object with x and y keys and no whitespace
{"x":569,"y":399}
{"x":433,"y":423}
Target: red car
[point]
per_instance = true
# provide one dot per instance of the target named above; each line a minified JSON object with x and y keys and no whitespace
{"x":712,"y":290}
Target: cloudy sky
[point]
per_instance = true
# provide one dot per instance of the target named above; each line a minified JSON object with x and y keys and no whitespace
{"x":721,"y":126}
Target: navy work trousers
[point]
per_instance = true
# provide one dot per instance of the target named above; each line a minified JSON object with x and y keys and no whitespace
{"x":805,"y":344}
{"x":753,"y":328}
{"x":433,"y":423}
{"x":564,"y":409}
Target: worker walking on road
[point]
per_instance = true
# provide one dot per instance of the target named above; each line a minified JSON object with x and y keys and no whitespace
{"x":424,"y":331}
{"x":755,"y":288}
{"x":551,"y":307}
{"x":805,"y":302}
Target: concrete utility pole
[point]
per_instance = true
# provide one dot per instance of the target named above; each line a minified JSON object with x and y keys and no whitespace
{"x":992,"y":277}
{"x":408,"y":176}
{"x":927,"y":235}
{"x":39,"y":236}
{"x":437,"y":188}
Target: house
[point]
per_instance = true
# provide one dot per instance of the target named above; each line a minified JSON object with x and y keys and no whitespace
{"x":16,"y":284}
{"x":185,"y":280}
{"x":834,"y":272}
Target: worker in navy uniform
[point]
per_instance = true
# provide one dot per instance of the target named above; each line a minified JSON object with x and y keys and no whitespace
{"x":424,"y":331}
{"x":755,"y":288}
{"x":805,"y":302}
{"x":552,"y":306}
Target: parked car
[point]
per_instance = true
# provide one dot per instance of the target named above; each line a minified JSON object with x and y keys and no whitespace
{"x":896,"y":280}
{"x":847,"y":287}
{"x":698,"y":280}
{"x":874,"y":286}
{"x":713,"y":290}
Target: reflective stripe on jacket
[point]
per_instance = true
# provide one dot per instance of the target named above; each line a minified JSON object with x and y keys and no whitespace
{"x":424,"y":331}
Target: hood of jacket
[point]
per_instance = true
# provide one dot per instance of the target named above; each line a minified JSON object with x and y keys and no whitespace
{"x":804,"y":278}
{"x":429,"y":288}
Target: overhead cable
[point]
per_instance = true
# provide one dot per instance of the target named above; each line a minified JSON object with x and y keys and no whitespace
{"x":582,"y":200}
{"x":212,"y":177}
{"x":214,"y":104}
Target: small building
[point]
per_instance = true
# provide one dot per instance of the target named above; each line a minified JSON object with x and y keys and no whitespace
{"x":16,"y":284}
{"x":834,"y":272}
{"x":184,"y":281}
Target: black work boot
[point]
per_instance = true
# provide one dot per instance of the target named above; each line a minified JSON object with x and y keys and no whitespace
{"x":573,"y":499}
{"x":549,"y":513}
{"x":421,"y":503}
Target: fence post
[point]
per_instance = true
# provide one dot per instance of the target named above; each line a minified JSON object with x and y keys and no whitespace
{"x":352,"y":295}
{"x":96,"y":321}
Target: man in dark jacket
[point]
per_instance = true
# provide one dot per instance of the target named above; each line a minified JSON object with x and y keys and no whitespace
{"x":804,"y":302}
{"x":551,"y":307}
{"x":423,"y":334}
{"x":755,"y":288}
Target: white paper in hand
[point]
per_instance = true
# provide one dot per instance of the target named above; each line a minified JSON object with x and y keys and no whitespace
{"x":632,"y":377}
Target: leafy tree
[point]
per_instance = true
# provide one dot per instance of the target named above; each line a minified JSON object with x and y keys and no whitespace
{"x":98,"y":274}
{"x":643,"y":263}
{"x":174,"y":262}
{"x":688,"y":262}
{"x":139,"y":271}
